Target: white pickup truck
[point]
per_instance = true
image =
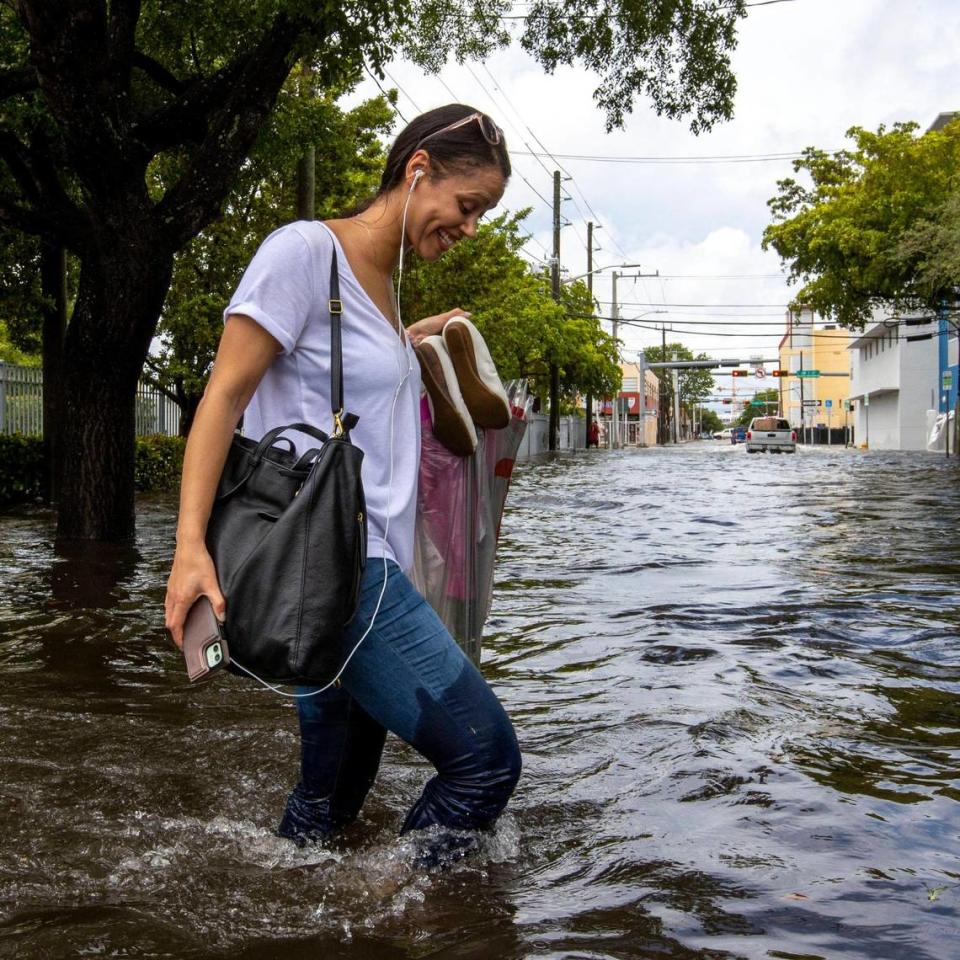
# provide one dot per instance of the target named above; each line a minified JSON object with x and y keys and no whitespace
{"x":771,"y":434}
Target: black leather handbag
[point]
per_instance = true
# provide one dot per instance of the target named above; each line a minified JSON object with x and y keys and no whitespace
{"x":288,"y":537}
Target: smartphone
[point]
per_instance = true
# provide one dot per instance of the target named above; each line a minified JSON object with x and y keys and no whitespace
{"x":204,"y":646}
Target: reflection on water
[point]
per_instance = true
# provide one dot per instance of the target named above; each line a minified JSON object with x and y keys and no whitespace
{"x":735,"y":681}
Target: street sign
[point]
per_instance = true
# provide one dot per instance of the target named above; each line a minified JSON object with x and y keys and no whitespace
{"x":828,"y":403}
{"x":811,"y":403}
{"x":757,"y":403}
{"x":761,"y":373}
{"x":808,"y":373}
{"x":947,"y":378}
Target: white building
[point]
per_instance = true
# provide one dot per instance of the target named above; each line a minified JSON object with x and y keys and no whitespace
{"x":893,"y":383}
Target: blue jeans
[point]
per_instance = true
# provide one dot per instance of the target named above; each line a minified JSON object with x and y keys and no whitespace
{"x":410,"y":677}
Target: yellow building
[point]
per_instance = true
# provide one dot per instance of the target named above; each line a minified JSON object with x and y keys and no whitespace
{"x":808,"y":345}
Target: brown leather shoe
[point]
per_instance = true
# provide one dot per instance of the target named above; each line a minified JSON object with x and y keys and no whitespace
{"x":477,"y":374}
{"x":452,"y":425}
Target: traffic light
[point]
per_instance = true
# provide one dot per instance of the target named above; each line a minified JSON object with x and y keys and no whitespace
{"x":739,"y":373}
{"x":778,"y":373}
{"x":727,"y":400}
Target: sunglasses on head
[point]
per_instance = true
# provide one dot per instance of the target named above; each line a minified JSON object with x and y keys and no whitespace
{"x":491,"y":132}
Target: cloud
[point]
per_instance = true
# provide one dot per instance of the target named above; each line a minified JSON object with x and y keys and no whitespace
{"x":807,"y":71}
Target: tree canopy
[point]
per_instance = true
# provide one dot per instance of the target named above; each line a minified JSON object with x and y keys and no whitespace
{"x":878,"y":225}
{"x":771,"y":403}
{"x":207,"y":270}
{"x":126,"y":126}
{"x":695,"y":384}
{"x":710,"y":421}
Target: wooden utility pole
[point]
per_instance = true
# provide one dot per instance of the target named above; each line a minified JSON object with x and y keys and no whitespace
{"x":590,"y":288}
{"x":662,"y":412}
{"x":555,"y":285}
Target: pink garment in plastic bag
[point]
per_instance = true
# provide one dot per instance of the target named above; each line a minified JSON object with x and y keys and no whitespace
{"x":459,"y":508}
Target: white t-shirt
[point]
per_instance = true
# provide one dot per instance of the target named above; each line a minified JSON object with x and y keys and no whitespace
{"x":285,"y":289}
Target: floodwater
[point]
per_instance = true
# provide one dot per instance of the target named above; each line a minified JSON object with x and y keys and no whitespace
{"x":734,"y":679}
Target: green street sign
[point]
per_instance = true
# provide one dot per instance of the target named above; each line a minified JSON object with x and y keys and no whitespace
{"x":947,"y":379}
{"x":757,"y":403}
{"x":808,"y":373}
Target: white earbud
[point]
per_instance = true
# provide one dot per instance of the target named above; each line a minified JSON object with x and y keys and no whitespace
{"x":417,"y":174}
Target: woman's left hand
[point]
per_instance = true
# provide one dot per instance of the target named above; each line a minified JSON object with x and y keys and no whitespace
{"x":431,"y":326}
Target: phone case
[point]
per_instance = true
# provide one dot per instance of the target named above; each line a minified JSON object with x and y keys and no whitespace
{"x":204,"y":646}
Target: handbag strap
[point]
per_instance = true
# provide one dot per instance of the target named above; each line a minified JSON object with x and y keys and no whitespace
{"x":268,"y":439}
{"x":335,"y":306}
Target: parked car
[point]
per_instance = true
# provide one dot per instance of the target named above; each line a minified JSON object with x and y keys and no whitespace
{"x":723,"y":435}
{"x":772,"y":435}
{"x":738,"y":435}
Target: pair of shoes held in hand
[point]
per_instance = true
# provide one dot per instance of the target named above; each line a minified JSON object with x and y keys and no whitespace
{"x":462,"y":386}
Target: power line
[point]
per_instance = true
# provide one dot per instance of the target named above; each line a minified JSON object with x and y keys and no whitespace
{"x":732,"y":306}
{"x":546,"y":263}
{"x":547,"y":203}
{"x":387,"y":74}
{"x":540,"y":143}
{"x":529,"y":151}
{"x":722,"y":276}
{"x":838,"y":337}
{"x":374,"y":78}
{"x":749,"y":322}
{"x":457,"y":99}
{"x":553,"y":157}
{"x":718,"y":312}
{"x":446,"y":87}
{"x":755,"y":3}
{"x":652,"y":160}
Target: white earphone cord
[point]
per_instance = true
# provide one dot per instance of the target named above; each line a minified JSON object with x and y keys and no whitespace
{"x":386,"y":528}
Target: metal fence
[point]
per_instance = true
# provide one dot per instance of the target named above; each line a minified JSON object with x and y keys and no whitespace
{"x":839,"y":436}
{"x":21,"y":399}
{"x":21,"y":404}
{"x":156,"y":412}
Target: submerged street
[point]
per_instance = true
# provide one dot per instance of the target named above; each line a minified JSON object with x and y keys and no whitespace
{"x":735,"y":683}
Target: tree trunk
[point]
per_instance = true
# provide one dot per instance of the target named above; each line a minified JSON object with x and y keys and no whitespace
{"x":53,"y":280}
{"x":122,"y":287}
{"x":188,"y":412}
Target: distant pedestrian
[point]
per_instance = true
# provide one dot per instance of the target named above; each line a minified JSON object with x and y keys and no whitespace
{"x":593,"y":440}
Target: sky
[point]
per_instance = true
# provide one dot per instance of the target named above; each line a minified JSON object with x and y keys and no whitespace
{"x":807,"y":70}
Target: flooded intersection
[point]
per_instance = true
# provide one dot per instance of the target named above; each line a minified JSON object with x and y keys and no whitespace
{"x":734,"y":679}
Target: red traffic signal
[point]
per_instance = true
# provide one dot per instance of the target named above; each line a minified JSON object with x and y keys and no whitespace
{"x":728,"y":401}
{"x":778,"y":373}
{"x":739,"y":373}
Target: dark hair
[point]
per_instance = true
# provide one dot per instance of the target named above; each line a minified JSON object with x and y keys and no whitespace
{"x":450,"y":150}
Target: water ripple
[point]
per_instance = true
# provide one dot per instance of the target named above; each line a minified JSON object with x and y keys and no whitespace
{"x":735,"y":681}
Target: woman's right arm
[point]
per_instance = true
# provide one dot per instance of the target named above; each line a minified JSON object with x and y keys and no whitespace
{"x":246,"y":351}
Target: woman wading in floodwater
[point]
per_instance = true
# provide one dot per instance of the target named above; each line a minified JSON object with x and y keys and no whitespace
{"x":445,"y":170}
